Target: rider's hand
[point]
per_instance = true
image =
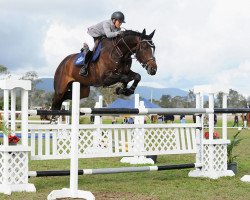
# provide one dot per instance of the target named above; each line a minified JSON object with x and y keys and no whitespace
{"x":119,"y":33}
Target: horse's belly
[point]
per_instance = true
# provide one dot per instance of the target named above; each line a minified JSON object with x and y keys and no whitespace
{"x":111,"y":80}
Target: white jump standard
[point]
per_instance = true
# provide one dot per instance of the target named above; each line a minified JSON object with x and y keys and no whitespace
{"x":14,"y":159}
{"x":74,"y":141}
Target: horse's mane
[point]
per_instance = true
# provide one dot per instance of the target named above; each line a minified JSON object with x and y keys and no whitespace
{"x":131,"y":32}
{"x":134,"y":33}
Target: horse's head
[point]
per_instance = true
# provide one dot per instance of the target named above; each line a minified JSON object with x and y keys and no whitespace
{"x":145,"y":52}
{"x":138,"y":44}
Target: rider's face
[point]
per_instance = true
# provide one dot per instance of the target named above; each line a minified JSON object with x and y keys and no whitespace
{"x":117,"y":23}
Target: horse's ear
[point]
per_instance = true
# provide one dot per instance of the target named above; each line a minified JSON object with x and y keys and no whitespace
{"x":143,"y":32}
{"x":151,"y":34}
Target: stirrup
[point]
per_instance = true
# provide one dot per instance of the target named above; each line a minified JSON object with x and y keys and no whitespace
{"x":83,"y":71}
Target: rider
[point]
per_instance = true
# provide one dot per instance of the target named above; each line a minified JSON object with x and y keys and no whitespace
{"x":109,"y":28}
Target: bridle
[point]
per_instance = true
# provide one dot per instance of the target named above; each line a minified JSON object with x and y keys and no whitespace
{"x":133,"y":51}
{"x":151,"y":44}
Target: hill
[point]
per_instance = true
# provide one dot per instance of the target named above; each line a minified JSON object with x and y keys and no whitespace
{"x":145,"y":92}
{"x":157,"y":93}
{"x":46,"y":84}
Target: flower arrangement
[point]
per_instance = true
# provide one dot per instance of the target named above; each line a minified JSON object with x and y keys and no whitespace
{"x":13,"y":139}
{"x":215,"y":135}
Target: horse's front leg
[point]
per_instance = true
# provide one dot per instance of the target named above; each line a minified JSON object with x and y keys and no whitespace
{"x":137,"y":79}
{"x":131,"y":76}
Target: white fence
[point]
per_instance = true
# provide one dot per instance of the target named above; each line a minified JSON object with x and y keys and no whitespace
{"x":112,"y":140}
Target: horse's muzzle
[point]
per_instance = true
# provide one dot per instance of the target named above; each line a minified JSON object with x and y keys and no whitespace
{"x":152,"y":70}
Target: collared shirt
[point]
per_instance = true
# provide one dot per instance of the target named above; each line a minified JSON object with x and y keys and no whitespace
{"x":104,"y":28}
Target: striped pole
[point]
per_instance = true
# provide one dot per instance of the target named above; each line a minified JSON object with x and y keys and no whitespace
{"x":114,"y":170}
{"x":141,"y":111}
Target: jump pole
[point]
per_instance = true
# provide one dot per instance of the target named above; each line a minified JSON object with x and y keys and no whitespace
{"x":142,"y":111}
{"x":114,"y":170}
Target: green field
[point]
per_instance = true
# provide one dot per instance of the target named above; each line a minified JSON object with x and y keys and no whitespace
{"x":162,"y":185}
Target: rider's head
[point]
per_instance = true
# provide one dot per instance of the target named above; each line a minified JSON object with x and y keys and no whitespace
{"x":118,"y":18}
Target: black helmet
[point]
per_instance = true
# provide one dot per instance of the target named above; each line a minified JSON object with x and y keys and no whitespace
{"x":119,"y":16}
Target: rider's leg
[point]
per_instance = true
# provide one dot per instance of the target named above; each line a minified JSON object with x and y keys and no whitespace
{"x":88,"y":56}
{"x":96,"y":41}
{"x":83,"y":71}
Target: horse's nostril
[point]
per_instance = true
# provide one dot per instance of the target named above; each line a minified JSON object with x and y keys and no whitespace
{"x":153,"y":71}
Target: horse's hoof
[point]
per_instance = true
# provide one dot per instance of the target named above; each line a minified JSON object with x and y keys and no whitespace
{"x":119,"y":90}
{"x":128,"y":92}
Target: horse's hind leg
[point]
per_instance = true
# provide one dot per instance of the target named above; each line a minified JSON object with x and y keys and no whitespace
{"x":60,"y":96}
{"x":84,"y":91}
{"x":57,"y":102}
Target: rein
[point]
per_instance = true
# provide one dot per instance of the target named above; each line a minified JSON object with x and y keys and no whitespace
{"x":133,"y":51}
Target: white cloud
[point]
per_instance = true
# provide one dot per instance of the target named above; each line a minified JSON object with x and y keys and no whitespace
{"x":197,"y":42}
{"x":237,"y":77}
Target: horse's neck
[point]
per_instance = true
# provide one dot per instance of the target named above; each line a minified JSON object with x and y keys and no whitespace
{"x":117,"y":50}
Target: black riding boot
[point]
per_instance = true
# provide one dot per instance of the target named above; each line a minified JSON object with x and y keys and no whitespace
{"x":83,"y":71}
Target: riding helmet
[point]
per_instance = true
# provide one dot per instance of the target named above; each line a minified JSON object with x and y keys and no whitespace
{"x":119,"y":16}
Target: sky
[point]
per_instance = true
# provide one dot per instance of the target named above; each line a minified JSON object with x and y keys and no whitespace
{"x":197,"y":42}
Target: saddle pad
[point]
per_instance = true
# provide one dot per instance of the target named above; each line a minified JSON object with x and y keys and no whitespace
{"x":80,"y":58}
{"x":97,"y":52}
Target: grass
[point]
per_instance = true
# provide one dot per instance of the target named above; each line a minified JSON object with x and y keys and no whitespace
{"x":160,"y":185}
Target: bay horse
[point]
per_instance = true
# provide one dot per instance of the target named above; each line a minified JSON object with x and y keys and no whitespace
{"x":112,"y":66}
{"x":245,"y":117}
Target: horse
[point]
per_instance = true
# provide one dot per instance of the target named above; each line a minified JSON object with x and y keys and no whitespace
{"x":167,"y":118}
{"x":245,"y":117}
{"x":113,"y":66}
{"x":154,"y":118}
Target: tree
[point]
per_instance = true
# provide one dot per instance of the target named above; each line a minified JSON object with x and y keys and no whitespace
{"x":236,"y":100}
{"x":33,"y":76}
{"x":179,"y":102}
{"x":191,"y":99}
{"x":248,"y":100}
{"x":165,"y":101}
{"x":218,"y":100}
{"x":90,"y":101}
{"x":34,"y":94}
{"x":48,"y":96}
{"x":109,"y":94}
{"x":3,"y":69}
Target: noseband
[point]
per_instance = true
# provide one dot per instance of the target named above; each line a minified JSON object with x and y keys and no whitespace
{"x":133,"y":50}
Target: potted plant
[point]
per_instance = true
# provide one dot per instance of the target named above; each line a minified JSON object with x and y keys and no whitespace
{"x":231,"y":163}
{"x":12,"y":138}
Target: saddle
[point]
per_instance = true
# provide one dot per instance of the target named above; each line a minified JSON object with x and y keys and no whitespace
{"x":84,"y":59}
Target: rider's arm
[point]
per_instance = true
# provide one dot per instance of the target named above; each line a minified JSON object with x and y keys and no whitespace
{"x":108,"y":30}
